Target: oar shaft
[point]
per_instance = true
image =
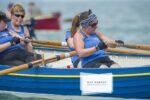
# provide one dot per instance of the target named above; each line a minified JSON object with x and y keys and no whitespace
{"x":50,"y":42}
{"x":126,"y":51}
{"x":115,"y":50}
{"x":20,"y":67}
{"x":14,"y":69}
{"x":137,"y":46}
{"x":49,"y":46}
{"x":64,"y":44}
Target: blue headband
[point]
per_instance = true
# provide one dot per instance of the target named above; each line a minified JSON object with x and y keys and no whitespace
{"x":85,"y":23}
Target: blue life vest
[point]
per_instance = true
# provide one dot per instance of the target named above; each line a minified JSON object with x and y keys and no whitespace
{"x":5,"y":37}
{"x":21,"y":33}
{"x":91,"y":41}
{"x":74,"y":58}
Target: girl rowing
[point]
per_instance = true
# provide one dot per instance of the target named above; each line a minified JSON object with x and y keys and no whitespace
{"x":91,"y":44}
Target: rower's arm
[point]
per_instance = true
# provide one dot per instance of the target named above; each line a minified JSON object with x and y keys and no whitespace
{"x":79,"y":46}
{"x":26,"y":31}
{"x":29,"y":45}
{"x":108,"y":41}
{"x":70,"y":42}
{"x":4,"y":46}
{"x":103,"y":36}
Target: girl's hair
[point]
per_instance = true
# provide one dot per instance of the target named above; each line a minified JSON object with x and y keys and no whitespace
{"x":76,"y":21}
{"x":17,"y":8}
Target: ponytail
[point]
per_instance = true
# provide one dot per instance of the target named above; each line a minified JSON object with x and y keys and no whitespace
{"x":75,"y":25}
{"x":76,"y":20}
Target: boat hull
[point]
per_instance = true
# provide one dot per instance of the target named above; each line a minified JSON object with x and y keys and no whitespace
{"x":127,"y":82}
{"x":51,"y":23}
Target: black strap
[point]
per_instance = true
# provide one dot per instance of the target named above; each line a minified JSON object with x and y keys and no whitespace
{"x":30,"y":65}
{"x":83,"y":34}
{"x":57,"y":57}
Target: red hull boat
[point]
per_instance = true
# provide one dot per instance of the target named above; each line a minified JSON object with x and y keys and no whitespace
{"x":48,"y":22}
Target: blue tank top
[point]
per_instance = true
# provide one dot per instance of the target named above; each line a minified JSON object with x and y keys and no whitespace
{"x":5,"y":37}
{"x":92,"y":41}
{"x":21,"y":33}
{"x":74,"y":58}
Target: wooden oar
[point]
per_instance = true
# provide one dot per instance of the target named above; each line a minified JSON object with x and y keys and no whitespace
{"x":50,"y":42}
{"x":37,"y":63}
{"x":126,"y":51}
{"x":49,"y":46}
{"x":62,"y":56}
{"x":137,"y":46}
{"x":114,"y":50}
{"x":59,"y":43}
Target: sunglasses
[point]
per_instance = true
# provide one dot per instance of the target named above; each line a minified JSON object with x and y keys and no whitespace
{"x":19,"y":15}
{"x":94,"y":25}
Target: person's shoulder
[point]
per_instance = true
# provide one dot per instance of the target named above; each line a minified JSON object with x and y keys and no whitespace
{"x":78,"y":35}
{"x":98,"y":32}
{"x":68,"y":32}
{"x":78,"y":32}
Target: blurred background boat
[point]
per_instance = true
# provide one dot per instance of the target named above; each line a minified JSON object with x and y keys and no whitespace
{"x":48,"y":22}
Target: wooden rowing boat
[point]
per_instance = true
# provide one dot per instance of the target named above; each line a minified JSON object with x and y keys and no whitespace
{"x":130,"y":81}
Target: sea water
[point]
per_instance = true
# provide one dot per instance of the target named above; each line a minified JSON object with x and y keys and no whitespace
{"x":126,"y":20}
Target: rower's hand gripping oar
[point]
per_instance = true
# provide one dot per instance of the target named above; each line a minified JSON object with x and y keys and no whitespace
{"x":37,"y":63}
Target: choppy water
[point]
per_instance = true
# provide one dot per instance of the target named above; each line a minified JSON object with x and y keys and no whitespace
{"x":127,"y":20}
{"x":26,"y":96}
